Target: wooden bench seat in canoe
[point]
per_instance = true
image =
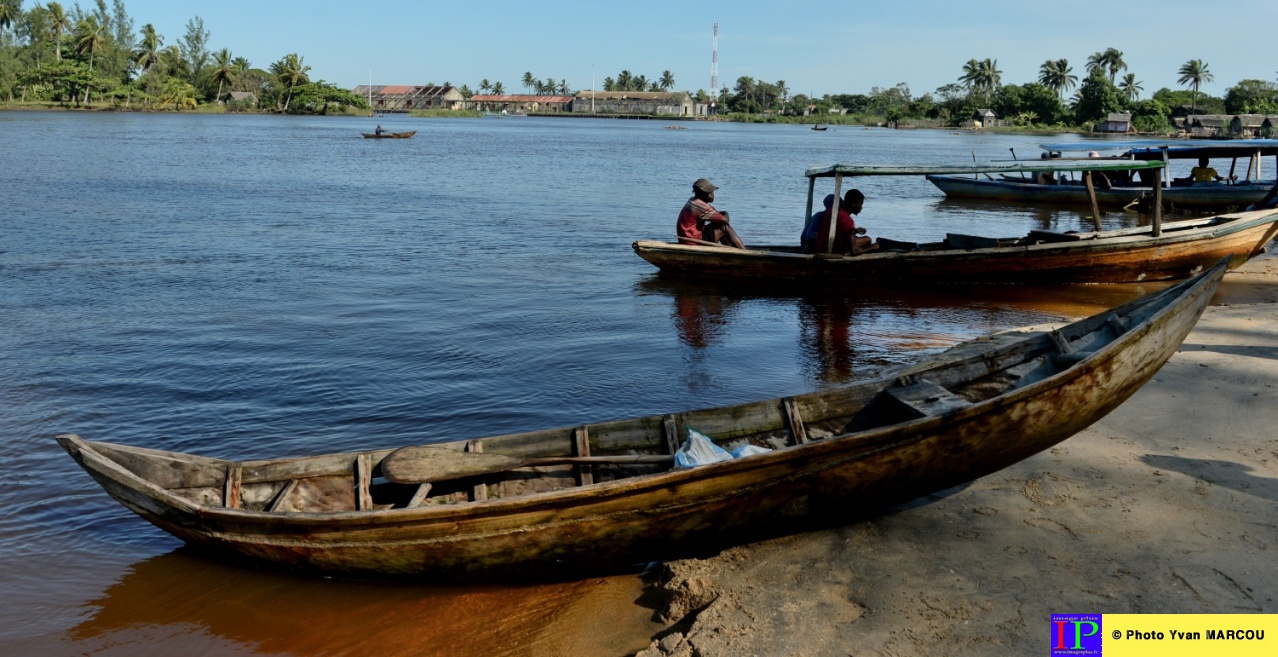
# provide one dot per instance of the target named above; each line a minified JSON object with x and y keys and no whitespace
{"x":960,"y":241}
{"x":1053,"y":236}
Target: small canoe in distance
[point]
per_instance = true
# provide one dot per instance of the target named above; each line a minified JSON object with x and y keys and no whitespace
{"x":389,"y":135}
{"x":820,"y":127}
{"x":602,"y":496}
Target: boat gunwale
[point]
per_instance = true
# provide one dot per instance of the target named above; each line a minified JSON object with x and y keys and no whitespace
{"x":865,"y":443}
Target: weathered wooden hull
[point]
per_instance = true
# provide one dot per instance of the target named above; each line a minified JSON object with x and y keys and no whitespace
{"x":1115,"y":257}
{"x":669,"y":514}
{"x":1217,"y":196}
{"x":389,"y":135}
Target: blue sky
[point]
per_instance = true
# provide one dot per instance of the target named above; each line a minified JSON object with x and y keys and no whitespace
{"x":816,"y":47}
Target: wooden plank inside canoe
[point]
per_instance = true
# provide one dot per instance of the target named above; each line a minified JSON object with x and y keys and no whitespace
{"x":928,"y":398}
{"x":420,"y":464}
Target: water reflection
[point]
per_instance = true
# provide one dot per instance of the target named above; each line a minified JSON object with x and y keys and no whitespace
{"x":181,"y":601}
{"x":844,"y":334}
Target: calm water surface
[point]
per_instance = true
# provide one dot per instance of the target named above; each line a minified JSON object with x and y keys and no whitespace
{"x":254,"y":287}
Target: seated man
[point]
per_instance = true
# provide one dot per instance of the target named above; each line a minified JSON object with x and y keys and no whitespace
{"x":700,"y":221}
{"x":808,"y":238}
{"x":1046,"y":178}
{"x":378,"y":131}
{"x":848,"y":239}
{"x":1204,"y":173}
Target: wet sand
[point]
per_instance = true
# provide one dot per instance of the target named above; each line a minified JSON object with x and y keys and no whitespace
{"x":1167,"y":505}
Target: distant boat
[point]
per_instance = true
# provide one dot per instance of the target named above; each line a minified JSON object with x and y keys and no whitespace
{"x":820,"y":127}
{"x":389,"y":135}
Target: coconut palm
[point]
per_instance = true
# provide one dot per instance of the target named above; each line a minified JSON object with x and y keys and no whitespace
{"x":149,"y":50}
{"x":623,"y":81}
{"x":982,"y":76}
{"x":639,"y":83}
{"x":178,"y":93}
{"x":1097,"y":62}
{"x":529,"y":81}
{"x":241,"y":65}
{"x":88,"y":40}
{"x":485,"y":85}
{"x":291,"y":71}
{"x":970,"y":74}
{"x":667,"y":80}
{"x":223,"y":71}
{"x":549,"y":87}
{"x":59,"y":23}
{"x":783,"y":91}
{"x":498,"y":89}
{"x":1056,"y":75}
{"x":1130,"y":87}
{"x":9,"y":10}
{"x":1114,"y":62}
{"x":563,"y":86}
{"x":1194,"y":72}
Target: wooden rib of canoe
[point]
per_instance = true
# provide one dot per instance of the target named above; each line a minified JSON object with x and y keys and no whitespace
{"x":389,"y":135}
{"x":603,"y":496}
{"x":1129,"y":255}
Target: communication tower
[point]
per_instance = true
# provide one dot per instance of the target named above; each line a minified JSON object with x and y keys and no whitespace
{"x":714,"y":66}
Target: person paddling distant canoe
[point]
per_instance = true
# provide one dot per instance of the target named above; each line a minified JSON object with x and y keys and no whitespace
{"x":378,"y":131}
{"x":702,"y":222}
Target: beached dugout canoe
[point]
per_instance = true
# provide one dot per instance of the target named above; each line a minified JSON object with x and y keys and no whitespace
{"x":613,"y":499}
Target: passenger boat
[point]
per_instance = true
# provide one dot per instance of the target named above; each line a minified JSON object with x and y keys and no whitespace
{"x":389,"y":135}
{"x":1162,"y":251}
{"x":603,"y":496}
{"x":1126,"y":189}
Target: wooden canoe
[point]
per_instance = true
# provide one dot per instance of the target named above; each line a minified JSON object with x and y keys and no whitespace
{"x":1129,"y":255}
{"x":837,"y":455}
{"x":1202,"y":196}
{"x":389,"y":135}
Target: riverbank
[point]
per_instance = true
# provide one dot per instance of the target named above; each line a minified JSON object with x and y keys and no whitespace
{"x":1164,"y":506}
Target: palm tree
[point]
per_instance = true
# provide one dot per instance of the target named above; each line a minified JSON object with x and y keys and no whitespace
{"x":1056,"y":75}
{"x":179,"y":93}
{"x":529,"y":80}
{"x":149,"y":51}
{"x":1114,"y":62}
{"x":549,"y":87}
{"x":498,"y":89}
{"x":292,"y":71}
{"x":982,"y":76}
{"x":1194,"y":72}
{"x":783,"y":91}
{"x":622,"y":82}
{"x":241,"y":65}
{"x":485,"y":85}
{"x":1131,"y":87}
{"x":9,"y":10}
{"x":970,"y":74}
{"x":1097,"y":62}
{"x":223,"y":71}
{"x":667,"y":80}
{"x":59,"y":23}
{"x":639,"y":83}
{"x":563,"y":86}
{"x":88,"y":40}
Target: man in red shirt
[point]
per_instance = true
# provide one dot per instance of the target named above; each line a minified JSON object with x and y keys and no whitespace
{"x":848,"y":239}
{"x":698,"y":220}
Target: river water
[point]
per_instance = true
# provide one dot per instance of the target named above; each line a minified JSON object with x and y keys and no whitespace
{"x":261,"y":286}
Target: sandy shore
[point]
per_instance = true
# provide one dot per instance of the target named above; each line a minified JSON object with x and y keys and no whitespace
{"x":1167,"y":505}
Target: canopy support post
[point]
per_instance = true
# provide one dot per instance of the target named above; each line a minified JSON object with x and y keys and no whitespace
{"x":1158,"y":211}
{"x":1091,"y":195}
{"x":834,"y":213}
{"x":1166,"y":177}
{"x":1233,"y":163}
{"x":811,"y":187}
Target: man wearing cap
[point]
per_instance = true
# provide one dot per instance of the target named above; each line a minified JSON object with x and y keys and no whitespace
{"x":700,"y":221}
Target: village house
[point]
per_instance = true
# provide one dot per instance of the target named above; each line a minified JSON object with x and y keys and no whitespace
{"x":406,"y":98}
{"x":1115,"y":122}
{"x":652,"y":103}
{"x":985,"y":118}
{"x":1251,"y":126}
{"x":511,"y":103}
{"x":1207,"y":125}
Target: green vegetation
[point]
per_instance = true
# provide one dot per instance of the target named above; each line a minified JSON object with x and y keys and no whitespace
{"x":54,"y":57}
{"x":1040,"y":105}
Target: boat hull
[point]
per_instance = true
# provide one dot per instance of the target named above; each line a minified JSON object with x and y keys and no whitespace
{"x":1194,"y":197}
{"x":1122,"y":257}
{"x":389,"y":135}
{"x":678,"y":513}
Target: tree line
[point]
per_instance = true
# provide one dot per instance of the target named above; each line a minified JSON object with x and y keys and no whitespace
{"x":94,"y":57}
{"x":1039,"y":103}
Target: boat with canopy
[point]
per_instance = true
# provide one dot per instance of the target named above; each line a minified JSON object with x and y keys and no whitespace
{"x":1124,"y":187}
{"x":1160,"y":251}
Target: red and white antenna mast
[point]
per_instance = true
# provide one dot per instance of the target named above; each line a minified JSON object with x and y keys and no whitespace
{"x":714,"y":64}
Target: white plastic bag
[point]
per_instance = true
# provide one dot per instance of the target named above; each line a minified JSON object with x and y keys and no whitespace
{"x":698,"y":449}
{"x":748,"y":450}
